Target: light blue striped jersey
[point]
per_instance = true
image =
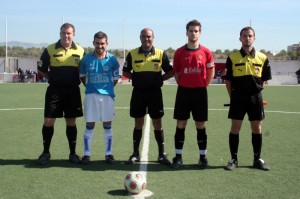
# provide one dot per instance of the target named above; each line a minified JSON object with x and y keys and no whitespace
{"x":100,"y":73}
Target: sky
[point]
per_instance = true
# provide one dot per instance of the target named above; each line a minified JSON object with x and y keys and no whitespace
{"x":276,"y":22}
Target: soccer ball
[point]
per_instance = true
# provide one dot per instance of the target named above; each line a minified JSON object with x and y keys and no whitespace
{"x":135,"y":182}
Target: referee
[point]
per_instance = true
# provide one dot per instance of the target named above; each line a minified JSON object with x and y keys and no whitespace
{"x":59,"y":65}
{"x":247,"y":72}
{"x":144,"y":65}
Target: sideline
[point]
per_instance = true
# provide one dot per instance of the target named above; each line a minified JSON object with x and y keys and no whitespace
{"x":266,"y":111}
{"x":210,"y":109}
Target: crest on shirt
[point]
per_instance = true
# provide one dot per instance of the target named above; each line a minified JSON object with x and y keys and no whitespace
{"x":155,"y":66}
{"x":200,"y":56}
{"x":76,"y":61}
{"x":257,"y":70}
{"x":105,"y":68}
{"x":185,"y":70}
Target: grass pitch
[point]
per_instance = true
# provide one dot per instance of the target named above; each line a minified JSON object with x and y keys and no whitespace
{"x":21,"y":113}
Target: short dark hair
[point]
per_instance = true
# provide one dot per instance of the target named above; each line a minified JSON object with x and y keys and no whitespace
{"x":193,"y":23}
{"x":146,"y":29}
{"x":246,"y":29}
{"x":67,"y":25}
{"x":100,"y":35}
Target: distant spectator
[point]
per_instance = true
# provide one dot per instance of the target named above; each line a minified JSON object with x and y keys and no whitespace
{"x":218,"y":76}
{"x":21,"y":75}
{"x":298,"y":75}
{"x":28,"y":74}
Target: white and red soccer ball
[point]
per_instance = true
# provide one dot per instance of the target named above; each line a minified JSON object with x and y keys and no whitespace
{"x":135,"y":182}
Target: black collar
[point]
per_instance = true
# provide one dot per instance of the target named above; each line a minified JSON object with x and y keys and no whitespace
{"x":141,"y":51}
{"x":243,"y":53}
{"x":58,"y":45}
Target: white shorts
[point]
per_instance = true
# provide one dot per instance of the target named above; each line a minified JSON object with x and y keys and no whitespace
{"x":99,"y":108}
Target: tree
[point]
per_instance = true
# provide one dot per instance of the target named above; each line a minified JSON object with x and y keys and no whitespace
{"x":293,"y":55}
{"x":170,"y":52}
{"x":218,"y":51}
{"x":227,"y":52}
{"x":2,"y":51}
{"x":33,"y":52}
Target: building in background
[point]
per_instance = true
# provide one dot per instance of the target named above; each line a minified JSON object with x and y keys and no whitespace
{"x":294,"y":48}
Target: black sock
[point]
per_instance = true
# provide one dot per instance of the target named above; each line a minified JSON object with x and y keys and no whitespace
{"x":47,"y":133}
{"x":234,"y":145}
{"x":159,"y":137}
{"x":71,"y":132}
{"x":202,"y":140}
{"x":179,"y":140}
{"x":257,"y":144}
{"x":137,"y":136}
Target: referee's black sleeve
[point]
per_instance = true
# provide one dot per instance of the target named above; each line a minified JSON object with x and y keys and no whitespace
{"x":45,"y":58}
{"x":128,"y":64}
{"x":166,"y":66}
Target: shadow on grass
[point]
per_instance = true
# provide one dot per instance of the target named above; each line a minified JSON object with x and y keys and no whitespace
{"x":101,"y":165}
{"x":118,"y":192}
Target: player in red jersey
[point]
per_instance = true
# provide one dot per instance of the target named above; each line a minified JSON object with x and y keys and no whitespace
{"x":193,"y":67}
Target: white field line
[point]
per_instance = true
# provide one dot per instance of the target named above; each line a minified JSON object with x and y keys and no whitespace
{"x":210,"y":109}
{"x":144,"y":159}
{"x":267,"y":111}
{"x":19,"y":109}
{"x":145,"y":149}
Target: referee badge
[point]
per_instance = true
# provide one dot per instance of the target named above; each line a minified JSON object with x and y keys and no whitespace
{"x":257,"y":70}
{"x":155,"y":66}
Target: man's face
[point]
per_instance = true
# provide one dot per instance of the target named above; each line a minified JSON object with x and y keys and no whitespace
{"x":100,"y":45}
{"x":193,"y":33}
{"x":147,"y":38}
{"x":66,"y":36}
{"x":247,"y":38}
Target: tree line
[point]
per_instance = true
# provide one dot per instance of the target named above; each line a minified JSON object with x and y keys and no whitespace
{"x":218,"y":54}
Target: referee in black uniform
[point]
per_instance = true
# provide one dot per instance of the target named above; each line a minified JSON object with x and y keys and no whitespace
{"x":144,"y":65}
{"x":247,"y":72}
{"x":59,"y":64}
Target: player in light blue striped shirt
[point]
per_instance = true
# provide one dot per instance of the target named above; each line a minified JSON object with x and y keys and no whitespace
{"x":99,"y":72}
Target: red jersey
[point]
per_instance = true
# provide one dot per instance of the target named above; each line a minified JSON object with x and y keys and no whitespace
{"x":191,"y":64}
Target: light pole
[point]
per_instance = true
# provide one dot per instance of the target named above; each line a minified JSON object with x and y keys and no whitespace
{"x":5,"y":64}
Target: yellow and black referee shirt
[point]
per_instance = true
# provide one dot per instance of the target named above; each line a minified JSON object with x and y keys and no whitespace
{"x":147,"y":67}
{"x":62,"y":64}
{"x":247,"y":72}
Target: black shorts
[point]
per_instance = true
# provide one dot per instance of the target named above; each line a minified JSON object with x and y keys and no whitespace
{"x":191,"y":100}
{"x":146,"y":101}
{"x":240,"y":104}
{"x":63,"y":102}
